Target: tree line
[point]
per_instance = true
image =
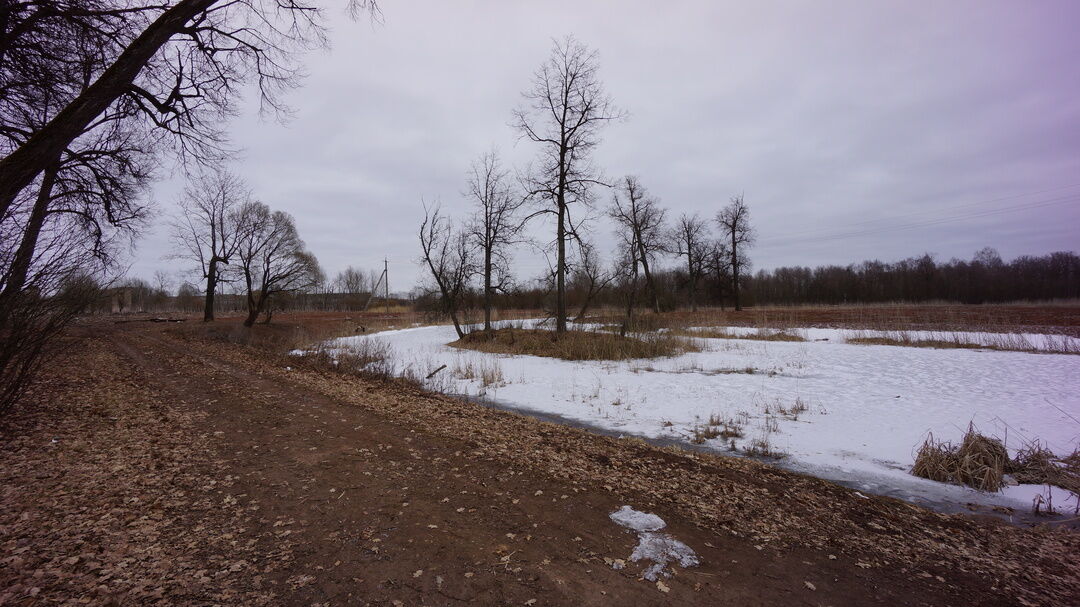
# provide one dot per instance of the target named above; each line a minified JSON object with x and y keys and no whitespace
{"x":985,"y":278}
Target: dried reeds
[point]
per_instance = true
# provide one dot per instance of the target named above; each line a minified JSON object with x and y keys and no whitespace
{"x":982,"y":462}
{"x":978,"y":461}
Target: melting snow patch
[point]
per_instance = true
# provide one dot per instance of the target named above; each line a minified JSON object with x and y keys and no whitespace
{"x":637,"y":520}
{"x":660,"y":548}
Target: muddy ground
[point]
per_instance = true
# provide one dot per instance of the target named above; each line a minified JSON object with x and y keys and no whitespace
{"x":157,"y":466}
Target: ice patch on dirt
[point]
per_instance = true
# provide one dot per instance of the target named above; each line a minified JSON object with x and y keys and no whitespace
{"x":637,"y":520}
{"x":660,"y":548}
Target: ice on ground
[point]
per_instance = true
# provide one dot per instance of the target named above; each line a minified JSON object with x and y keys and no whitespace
{"x":660,"y":548}
{"x":637,"y":520}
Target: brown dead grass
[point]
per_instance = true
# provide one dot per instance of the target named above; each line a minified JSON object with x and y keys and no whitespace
{"x":575,"y":345}
{"x":978,"y":461}
{"x":921,"y":343}
{"x":982,"y":462}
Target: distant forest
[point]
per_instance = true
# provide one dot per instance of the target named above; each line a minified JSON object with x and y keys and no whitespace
{"x":984,"y":279}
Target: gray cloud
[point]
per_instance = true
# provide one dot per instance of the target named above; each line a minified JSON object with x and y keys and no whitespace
{"x":841,"y":118}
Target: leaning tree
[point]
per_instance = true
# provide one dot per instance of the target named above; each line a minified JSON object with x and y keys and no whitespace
{"x":449,"y":256}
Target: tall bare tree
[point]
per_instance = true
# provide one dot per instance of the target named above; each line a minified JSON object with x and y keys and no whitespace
{"x":495,"y":225}
{"x":449,"y":257}
{"x":641,"y":220}
{"x":272,"y":258}
{"x":565,"y":108}
{"x":690,"y":240}
{"x":734,"y":220}
{"x":208,"y":228}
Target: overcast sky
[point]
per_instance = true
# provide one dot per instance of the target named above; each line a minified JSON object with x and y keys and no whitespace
{"x":857,"y":130}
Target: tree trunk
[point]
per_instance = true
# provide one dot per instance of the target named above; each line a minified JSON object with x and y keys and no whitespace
{"x":211,"y":288}
{"x":735,"y":271}
{"x":648,"y":279}
{"x":693,"y":282}
{"x":487,"y":286}
{"x":24,"y":256}
{"x":588,"y":300}
{"x":630,"y":297}
{"x":560,"y":271}
{"x":19,"y":168}
{"x":255,"y":306}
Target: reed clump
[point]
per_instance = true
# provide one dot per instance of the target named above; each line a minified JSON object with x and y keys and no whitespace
{"x":982,"y":462}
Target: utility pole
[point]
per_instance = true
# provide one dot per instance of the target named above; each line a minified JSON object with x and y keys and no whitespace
{"x":386,"y":285}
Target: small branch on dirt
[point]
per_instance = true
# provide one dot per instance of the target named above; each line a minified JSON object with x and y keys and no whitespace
{"x":432,"y":374}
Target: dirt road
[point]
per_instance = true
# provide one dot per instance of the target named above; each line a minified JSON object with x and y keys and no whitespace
{"x":150,"y":469}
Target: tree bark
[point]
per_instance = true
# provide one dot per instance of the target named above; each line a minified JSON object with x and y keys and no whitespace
{"x":560,"y":271}
{"x":211,"y":288}
{"x":24,"y":256}
{"x":648,"y":278}
{"x":693,"y":280}
{"x":487,"y":285}
{"x":735,"y":271}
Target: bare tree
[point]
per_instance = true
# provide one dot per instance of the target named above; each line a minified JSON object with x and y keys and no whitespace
{"x":641,"y":220}
{"x":689,"y":239}
{"x":495,"y":225}
{"x":272,"y":258}
{"x":351,"y":281}
{"x":208,"y":228}
{"x":734,"y":220}
{"x":179,"y":65}
{"x":590,"y":274}
{"x":449,"y":257}
{"x":564,"y":110}
{"x":627,"y":276}
{"x":718,"y":263}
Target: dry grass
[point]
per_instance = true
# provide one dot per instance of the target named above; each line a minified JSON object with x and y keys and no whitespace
{"x":575,"y":345}
{"x":489,"y":372}
{"x":1006,"y":342}
{"x":978,"y":461}
{"x":1036,"y":464}
{"x":982,"y":462}
{"x":715,"y":427}
{"x":368,"y":358}
{"x":763,"y":447}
